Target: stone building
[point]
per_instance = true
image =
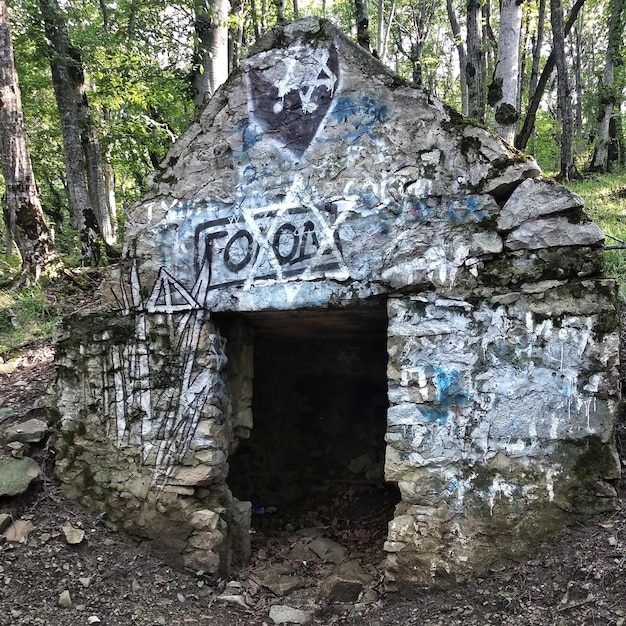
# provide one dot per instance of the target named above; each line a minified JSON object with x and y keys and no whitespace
{"x":341,"y":262}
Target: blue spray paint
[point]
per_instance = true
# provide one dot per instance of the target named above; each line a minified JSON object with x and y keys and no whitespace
{"x":449,"y":395}
{"x":458,"y":212}
{"x":363,"y":114}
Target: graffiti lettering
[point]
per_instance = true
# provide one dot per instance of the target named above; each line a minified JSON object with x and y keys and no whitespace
{"x":276,"y":243}
{"x":238,"y":251}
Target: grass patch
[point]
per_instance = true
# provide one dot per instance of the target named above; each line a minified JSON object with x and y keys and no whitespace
{"x":605,"y":197}
{"x":26,"y":317}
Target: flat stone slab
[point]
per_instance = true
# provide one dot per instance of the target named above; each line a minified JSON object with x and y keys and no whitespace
{"x":282,"y":614}
{"x":328,"y":550}
{"x":346,"y":584}
{"x":31,"y":431}
{"x":555,"y":232}
{"x":16,"y":475}
{"x":281,"y":580}
{"x":534,"y":199}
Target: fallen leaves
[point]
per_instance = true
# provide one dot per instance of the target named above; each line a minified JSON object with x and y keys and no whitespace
{"x":18,"y":531}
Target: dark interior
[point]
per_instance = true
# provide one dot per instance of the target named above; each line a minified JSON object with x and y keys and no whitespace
{"x":319,"y":406}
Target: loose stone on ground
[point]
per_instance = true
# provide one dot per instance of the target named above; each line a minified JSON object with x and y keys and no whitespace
{"x":31,"y":431}
{"x":16,"y":475}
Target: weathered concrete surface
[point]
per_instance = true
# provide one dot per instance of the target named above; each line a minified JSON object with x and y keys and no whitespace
{"x":315,"y":179}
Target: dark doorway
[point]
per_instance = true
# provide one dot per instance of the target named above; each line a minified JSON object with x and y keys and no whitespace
{"x":315,"y":455}
{"x":319,"y":406}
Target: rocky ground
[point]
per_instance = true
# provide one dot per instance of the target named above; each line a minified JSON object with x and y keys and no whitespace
{"x":60,"y":565}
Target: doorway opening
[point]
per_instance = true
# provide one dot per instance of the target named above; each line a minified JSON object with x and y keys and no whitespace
{"x":315,"y":453}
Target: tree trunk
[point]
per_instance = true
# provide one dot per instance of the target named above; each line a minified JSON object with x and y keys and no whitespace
{"x":616,"y":141}
{"x":380,"y":25}
{"x":64,"y":62}
{"x":503,"y":90}
{"x":280,"y":11}
{"x":211,"y":56}
{"x":362,"y":24}
{"x":537,"y":47}
{"x":95,"y":172}
{"x":383,"y":52}
{"x":578,"y":78}
{"x":521,"y":141}
{"x":608,"y":97}
{"x":254,"y":16}
{"x":235,"y":35}
{"x":24,"y":217}
{"x":523,"y":60}
{"x":568,"y":169}
{"x":460,"y":48}
{"x":475,"y":64}
{"x":489,"y":41}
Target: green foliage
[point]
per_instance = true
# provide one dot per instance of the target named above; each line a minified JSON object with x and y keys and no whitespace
{"x":605,"y":197}
{"x":137,"y":65}
{"x":25,"y":316}
{"x":544,"y":145}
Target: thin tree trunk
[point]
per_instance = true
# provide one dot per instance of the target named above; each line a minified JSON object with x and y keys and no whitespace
{"x":521,"y":141}
{"x":578,"y":78}
{"x":24,"y":216}
{"x":489,"y":41}
{"x":568,"y":169}
{"x":380,"y":24}
{"x":608,"y":97}
{"x":503,"y":89}
{"x":460,"y":49}
{"x":475,"y":65}
{"x":211,"y":56}
{"x":63,"y":61}
{"x":534,"y":72}
{"x":235,"y":35}
{"x":94,"y":169}
{"x":521,"y":74}
{"x":362,"y":24}
{"x":280,"y":10}
{"x":392,"y":11}
{"x":132,"y":17}
{"x":100,"y":175}
{"x":616,"y":141}
{"x":254,"y":16}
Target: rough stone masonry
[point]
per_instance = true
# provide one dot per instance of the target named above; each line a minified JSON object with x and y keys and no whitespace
{"x":317,"y":181}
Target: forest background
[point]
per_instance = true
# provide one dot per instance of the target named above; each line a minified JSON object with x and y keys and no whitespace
{"x":107,"y":86}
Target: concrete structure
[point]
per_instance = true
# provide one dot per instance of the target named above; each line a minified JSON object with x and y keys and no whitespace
{"x":341,"y":259}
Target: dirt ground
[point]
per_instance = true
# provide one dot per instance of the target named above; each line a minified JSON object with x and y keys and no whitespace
{"x":577,"y":579}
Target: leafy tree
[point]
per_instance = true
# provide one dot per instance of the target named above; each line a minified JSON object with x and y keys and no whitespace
{"x":22,"y":211}
{"x":503,"y":91}
{"x":475,"y":62}
{"x":611,"y":93}
{"x":82,"y":150}
{"x":568,"y":169}
{"x":522,"y":138}
{"x":211,"y":66}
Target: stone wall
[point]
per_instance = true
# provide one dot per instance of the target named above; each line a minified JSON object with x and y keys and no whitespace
{"x":315,"y":180}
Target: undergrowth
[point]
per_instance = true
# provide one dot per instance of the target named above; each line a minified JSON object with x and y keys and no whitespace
{"x":26,"y":316}
{"x":605,"y":197}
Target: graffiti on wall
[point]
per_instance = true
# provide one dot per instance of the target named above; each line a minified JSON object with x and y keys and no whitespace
{"x":161,"y":420}
{"x":273,"y":243}
{"x":290,"y":96}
